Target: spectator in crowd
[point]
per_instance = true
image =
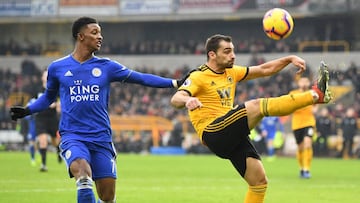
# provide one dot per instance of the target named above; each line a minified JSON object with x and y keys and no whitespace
{"x":348,"y":129}
{"x":324,"y":128}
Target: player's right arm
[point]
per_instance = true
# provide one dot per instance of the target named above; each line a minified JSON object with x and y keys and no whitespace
{"x":42,"y":103}
{"x":182,"y":99}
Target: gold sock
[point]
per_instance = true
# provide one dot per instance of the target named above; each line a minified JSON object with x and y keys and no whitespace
{"x":308,"y":154}
{"x":300,"y":158}
{"x":285,"y":105}
{"x":255,"y":194}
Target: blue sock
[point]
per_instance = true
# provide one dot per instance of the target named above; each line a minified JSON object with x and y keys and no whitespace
{"x":32,"y":151}
{"x":85,"y":192}
{"x":271,"y":151}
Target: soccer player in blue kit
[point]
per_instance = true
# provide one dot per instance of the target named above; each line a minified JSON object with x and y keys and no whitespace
{"x":82,"y":81}
{"x":269,"y":127}
{"x":31,"y":134}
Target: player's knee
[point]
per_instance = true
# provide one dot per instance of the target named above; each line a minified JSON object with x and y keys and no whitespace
{"x":107,"y":195}
{"x":80,"y":168}
{"x":262,"y":180}
{"x":84,"y":182}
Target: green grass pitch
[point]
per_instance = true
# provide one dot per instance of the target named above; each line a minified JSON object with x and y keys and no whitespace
{"x":179,"y":179}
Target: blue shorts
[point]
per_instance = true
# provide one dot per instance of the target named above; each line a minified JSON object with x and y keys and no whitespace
{"x":271,"y":135}
{"x":31,"y":137}
{"x":100,"y":155}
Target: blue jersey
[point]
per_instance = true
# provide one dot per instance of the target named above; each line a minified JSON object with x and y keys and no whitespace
{"x":271,"y":124}
{"x":84,"y":90}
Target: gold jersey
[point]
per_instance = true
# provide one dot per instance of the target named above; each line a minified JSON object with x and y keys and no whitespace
{"x":303,"y":117}
{"x":216,"y":92}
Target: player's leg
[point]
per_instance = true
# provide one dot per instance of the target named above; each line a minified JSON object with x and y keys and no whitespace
{"x":77,"y":156}
{"x":299,"y":138}
{"x":55,"y":142}
{"x":308,"y":155}
{"x":57,"y":146}
{"x":104,"y":171}
{"x":32,"y":147}
{"x":287,"y":104}
{"x":81,"y":170}
{"x":256,"y":178}
{"x":270,"y":148}
{"x":229,"y":139}
{"x":247,"y":162}
{"x":350,"y":149}
{"x":43,"y":144}
{"x":105,"y":188}
{"x":55,"y":136}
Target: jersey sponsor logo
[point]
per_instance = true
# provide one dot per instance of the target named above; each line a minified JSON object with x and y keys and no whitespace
{"x":225,"y":95}
{"x":96,"y":72}
{"x":80,"y":92}
{"x":77,"y":82}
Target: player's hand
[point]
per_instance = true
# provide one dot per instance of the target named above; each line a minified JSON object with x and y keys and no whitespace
{"x":19,"y":112}
{"x":193,"y":103}
{"x":299,"y":63}
{"x":181,"y":81}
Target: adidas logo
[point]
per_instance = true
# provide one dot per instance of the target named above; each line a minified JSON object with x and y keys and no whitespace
{"x":212,"y":83}
{"x":68,"y":73}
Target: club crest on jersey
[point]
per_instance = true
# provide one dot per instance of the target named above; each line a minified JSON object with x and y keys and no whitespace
{"x":187,"y":83}
{"x":230,"y":79}
{"x":67,"y":154}
{"x":96,"y":72}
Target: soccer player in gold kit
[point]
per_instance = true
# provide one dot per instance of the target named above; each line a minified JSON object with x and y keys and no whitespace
{"x":303,"y":124}
{"x":223,"y":127}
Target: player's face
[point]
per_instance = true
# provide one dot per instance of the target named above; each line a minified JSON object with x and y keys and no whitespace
{"x":91,"y":36}
{"x":225,"y":56}
{"x":304,"y":83}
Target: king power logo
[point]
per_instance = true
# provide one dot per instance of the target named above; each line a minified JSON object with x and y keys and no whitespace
{"x":80,"y":92}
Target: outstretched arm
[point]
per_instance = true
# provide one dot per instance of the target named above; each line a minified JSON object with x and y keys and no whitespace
{"x":154,"y":80}
{"x":274,"y":66}
{"x":42,"y":103}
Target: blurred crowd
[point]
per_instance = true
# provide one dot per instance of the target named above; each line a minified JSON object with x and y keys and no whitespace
{"x":130,"y":99}
{"x":252,"y":45}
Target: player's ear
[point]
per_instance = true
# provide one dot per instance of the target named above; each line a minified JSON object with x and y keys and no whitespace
{"x":211,"y":54}
{"x":80,"y":36}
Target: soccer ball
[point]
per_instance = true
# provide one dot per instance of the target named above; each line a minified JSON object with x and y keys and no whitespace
{"x":278,"y":23}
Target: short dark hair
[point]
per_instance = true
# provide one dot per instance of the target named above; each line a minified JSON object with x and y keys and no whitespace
{"x":212,"y":43}
{"x":80,"y":23}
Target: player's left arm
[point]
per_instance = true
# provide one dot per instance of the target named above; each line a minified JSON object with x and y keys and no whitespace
{"x":150,"y":80}
{"x":123,"y":74}
{"x":274,"y":66}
